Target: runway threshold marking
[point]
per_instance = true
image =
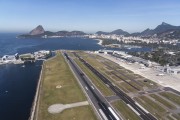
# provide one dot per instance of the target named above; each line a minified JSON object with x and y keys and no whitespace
{"x":86,"y":88}
{"x":133,"y":109}
{"x":92,"y":87}
{"x":114,"y":114}
{"x":103,"y":115}
{"x":141,"y":107}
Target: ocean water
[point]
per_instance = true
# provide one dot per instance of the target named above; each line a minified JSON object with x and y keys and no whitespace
{"x":17,"y":90}
{"x":18,"y":83}
{"x":9,"y":44}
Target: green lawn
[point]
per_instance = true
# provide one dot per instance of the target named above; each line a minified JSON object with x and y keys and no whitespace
{"x":128,"y":87}
{"x":163,"y":101}
{"x":125,"y":111}
{"x":100,"y":63}
{"x":176,"y":116}
{"x":169,"y":118}
{"x":98,"y":83}
{"x":152,"y":107}
{"x":56,"y":72}
{"x":171,"y":96}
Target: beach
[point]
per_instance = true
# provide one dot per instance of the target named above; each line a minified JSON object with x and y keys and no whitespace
{"x":100,"y":41}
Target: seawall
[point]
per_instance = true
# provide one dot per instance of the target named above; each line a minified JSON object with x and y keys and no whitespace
{"x":34,"y":109}
{"x":36,"y":98}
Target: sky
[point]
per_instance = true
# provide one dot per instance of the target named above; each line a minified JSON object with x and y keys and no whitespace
{"x":87,"y":15}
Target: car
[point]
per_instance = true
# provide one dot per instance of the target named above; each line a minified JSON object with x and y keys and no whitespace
{"x":161,"y":74}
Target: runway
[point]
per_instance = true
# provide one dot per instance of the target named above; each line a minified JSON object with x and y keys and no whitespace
{"x":143,"y":113}
{"x":103,"y":108}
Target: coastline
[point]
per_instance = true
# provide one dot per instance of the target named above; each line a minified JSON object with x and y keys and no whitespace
{"x":100,"y":41}
{"x":36,"y":97}
{"x":35,"y":104}
{"x":24,"y":79}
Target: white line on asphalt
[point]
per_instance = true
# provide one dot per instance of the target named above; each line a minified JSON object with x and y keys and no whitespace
{"x":89,"y":99}
{"x":111,"y":117}
{"x":107,"y":85}
{"x":103,"y":115}
{"x":92,"y":87}
{"x":141,"y":107}
{"x":86,"y":88}
{"x":133,"y":109}
{"x":114,"y":114}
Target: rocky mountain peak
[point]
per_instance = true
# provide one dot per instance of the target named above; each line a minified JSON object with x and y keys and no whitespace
{"x":163,"y":23}
{"x":38,"y":30}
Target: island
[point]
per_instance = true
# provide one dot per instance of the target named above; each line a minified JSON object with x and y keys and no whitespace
{"x":39,"y":32}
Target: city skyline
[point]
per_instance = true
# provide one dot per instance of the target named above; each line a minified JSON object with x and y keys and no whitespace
{"x":88,"y":16}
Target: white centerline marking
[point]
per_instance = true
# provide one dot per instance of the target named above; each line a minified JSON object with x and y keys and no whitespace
{"x":133,"y":109}
{"x":92,"y":87}
{"x":103,"y":115}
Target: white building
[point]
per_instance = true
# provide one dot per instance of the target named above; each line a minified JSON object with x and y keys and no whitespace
{"x":105,"y":51}
{"x":8,"y":58}
{"x":172,"y":70}
{"x":41,"y":53}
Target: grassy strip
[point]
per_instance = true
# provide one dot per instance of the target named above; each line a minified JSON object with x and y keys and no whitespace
{"x":98,"y":83}
{"x":176,"y":116}
{"x":115,"y":78}
{"x":71,"y":54}
{"x":123,"y":88}
{"x":171,"y":96}
{"x":56,"y":72}
{"x":99,"y":66}
{"x":163,"y":101}
{"x":125,"y":111}
{"x":121,"y":72}
{"x":151,"y":106}
{"x":128,"y":87}
{"x":149,"y":84}
{"x":169,"y":118}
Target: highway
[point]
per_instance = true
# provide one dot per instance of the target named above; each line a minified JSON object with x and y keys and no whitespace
{"x":98,"y":100}
{"x":145,"y":115}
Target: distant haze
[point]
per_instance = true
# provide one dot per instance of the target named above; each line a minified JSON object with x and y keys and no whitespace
{"x":89,"y":16}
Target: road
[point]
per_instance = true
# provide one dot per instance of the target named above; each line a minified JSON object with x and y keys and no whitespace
{"x":145,"y":115}
{"x":101,"y":105}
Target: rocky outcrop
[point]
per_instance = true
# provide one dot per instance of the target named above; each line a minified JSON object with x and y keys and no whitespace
{"x":37,"y":31}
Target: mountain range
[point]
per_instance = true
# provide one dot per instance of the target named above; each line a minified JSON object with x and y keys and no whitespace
{"x":117,"y":32}
{"x":162,"y":30}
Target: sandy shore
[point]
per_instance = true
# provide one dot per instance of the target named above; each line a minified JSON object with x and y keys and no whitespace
{"x":100,"y":41}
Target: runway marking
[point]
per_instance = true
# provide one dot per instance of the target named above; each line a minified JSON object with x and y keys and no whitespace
{"x":111,"y":117}
{"x":133,"y":109}
{"x":114,"y":114}
{"x":86,"y":88}
{"x":107,"y":85}
{"x":113,"y":84}
{"x":103,"y":115}
{"x":141,"y":107}
{"x":92,"y":87}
